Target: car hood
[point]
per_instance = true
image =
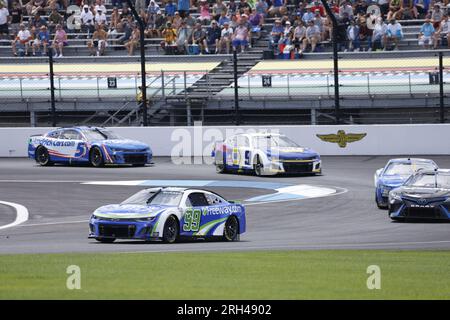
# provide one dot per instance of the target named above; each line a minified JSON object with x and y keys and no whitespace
{"x":125,"y":144}
{"x":122,"y":211}
{"x":293,"y":153}
{"x":414,"y":192}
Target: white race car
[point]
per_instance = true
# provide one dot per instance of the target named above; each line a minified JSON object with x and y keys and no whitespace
{"x":265,"y":154}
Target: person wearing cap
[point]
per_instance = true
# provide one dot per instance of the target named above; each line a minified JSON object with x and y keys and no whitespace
{"x":98,"y":43}
{"x":184,"y":34}
{"x":312,"y":35}
{"x":427,"y":35}
{"x":443,"y":33}
{"x":226,"y":36}
{"x":87,"y":20}
{"x":213,"y":34}
{"x":100,"y":16}
{"x":42,"y":39}
{"x":22,"y":40}
{"x":275,"y":35}
{"x":394,"y":33}
{"x":199,"y":38}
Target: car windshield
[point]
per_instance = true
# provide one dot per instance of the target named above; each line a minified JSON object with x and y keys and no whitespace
{"x":140,"y":198}
{"x":430,"y":180}
{"x":93,"y":134}
{"x":406,"y":169}
{"x":262,"y":142}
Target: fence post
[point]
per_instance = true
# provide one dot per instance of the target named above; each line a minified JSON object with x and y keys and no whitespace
{"x":441,"y":87}
{"x":52,"y":86}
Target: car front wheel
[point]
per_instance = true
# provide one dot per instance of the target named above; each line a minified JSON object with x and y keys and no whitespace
{"x":170,"y":232}
{"x":106,"y":240}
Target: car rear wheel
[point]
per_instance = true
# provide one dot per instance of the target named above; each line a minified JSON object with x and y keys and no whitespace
{"x":231,"y":230}
{"x":220,"y":168}
{"x":258,"y":167}
{"x":170,"y":232}
{"x":106,"y":240}
{"x":96,"y":157}
{"x":42,"y":156}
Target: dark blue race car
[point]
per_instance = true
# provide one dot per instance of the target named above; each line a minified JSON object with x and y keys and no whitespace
{"x":94,"y":145}
{"x":394,"y":174}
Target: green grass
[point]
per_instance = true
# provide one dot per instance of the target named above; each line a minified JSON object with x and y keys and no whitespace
{"x":231,"y":275}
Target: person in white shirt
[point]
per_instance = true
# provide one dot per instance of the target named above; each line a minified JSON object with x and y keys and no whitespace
{"x":87,"y":20}
{"x":394,"y":33}
{"x":22,"y":40}
{"x":99,"y":5}
{"x":379,"y":34}
{"x":312,"y":35}
{"x":100,"y":17}
{"x":4,"y":14}
{"x":225,"y":37}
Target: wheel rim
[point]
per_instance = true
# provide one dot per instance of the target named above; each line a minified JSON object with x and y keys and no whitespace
{"x":231,"y":228}
{"x":42,"y":156}
{"x":171,"y":230}
{"x":219,"y":168}
{"x":258,"y":168}
{"x":96,"y":157}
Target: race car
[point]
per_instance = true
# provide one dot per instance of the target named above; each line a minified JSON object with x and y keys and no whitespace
{"x":94,"y":145}
{"x":394,"y":174}
{"x":425,"y":195}
{"x":169,"y":214}
{"x":264,"y":154}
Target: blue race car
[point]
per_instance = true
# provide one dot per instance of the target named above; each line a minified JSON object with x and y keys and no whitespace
{"x":394,"y":174}
{"x":168,"y":214}
{"x":94,"y":145}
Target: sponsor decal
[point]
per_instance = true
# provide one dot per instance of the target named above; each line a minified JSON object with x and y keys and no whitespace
{"x":55,"y":143}
{"x":341,"y":138}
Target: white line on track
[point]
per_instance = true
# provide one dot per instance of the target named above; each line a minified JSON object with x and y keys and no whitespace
{"x":21,"y":214}
{"x":53,"y":223}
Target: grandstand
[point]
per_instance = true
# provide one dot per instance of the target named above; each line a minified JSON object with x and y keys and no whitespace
{"x":380,"y":86}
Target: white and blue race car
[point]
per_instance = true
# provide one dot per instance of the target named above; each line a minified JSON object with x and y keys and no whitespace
{"x":169,"y":214}
{"x":265,"y":154}
{"x":94,"y":145}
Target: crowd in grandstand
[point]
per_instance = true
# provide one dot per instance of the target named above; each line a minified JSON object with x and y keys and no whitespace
{"x":218,"y":26}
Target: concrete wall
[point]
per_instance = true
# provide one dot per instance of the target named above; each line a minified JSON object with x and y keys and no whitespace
{"x":189,"y":141}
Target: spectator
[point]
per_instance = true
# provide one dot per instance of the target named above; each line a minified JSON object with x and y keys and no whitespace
{"x":232,"y":7}
{"x":317,"y":6}
{"x":420,"y":8}
{"x":133,"y":42}
{"x":199,"y":38}
{"x":361,"y":8}
{"x":125,"y":13}
{"x":213,"y":35}
{"x":256,"y":23}
{"x":226,"y":38}
{"x":242,"y":5}
{"x":53,"y":19}
{"x":277,"y":8}
{"x":395,"y":9}
{"x":152,"y":10}
{"x":240,"y":37}
{"x":346,"y":10}
{"x":170,"y":8}
{"x":139,"y":5}
{"x":299,"y":36}
{"x":190,"y":21}
{"x":22,"y":41}
{"x":219,"y":8}
{"x":183,"y":7}
{"x":379,"y":34}
{"x":436,"y":15}
{"x":312,"y":35}
{"x":34,"y":6}
{"x":176,"y":20}
{"x":444,"y":31}
{"x":99,"y":42}
{"x":224,"y":19}
{"x":42,"y":40}
{"x":184,"y":34}
{"x":394,"y":33}
{"x":275,"y":35}
{"x":16,"y":15}
{"x":203,"y":9}
{"x":384,"y":7}
{"x":427,"y":35}
{"x":170,"y":38}
{"x":123,"y":27}
{"x":100,"y":16}
{"x":87,"y":20}
{"x":365,"y":33}
{"x":37,"y":21}
{"x":262,"y":8}
{"x":115,"y":18}
{"x":307,"y":16}
{"x":100,"y":5}
{"x":353,"y":36}
{"x":4,"y":16}
{"x":59,"y":41}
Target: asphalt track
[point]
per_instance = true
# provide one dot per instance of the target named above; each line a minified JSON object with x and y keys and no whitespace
{"x":59,"y":206}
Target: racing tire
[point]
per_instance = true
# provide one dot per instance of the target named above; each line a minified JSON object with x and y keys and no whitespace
{"x":231,"y":229}
{"x":220,"y":168}
{"x":171,"y":229}
{"x":380,"y":206}
{"x":138,"y":165}
{"x":258,"y":167}
{"x":96,"y":157}
{"x":43,"y":157}
{"x":106,"y":240}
